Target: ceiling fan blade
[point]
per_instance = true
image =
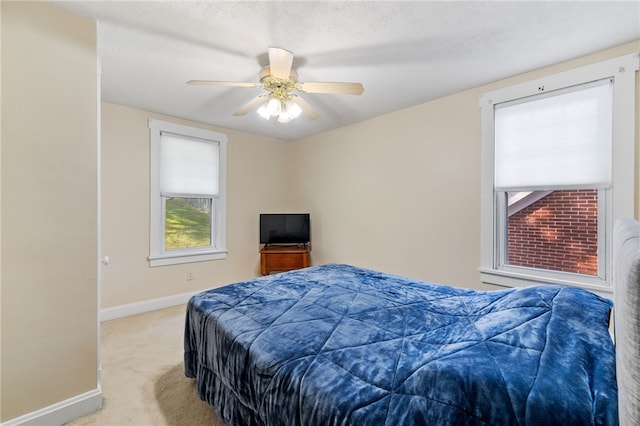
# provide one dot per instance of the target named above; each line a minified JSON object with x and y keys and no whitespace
{"x":221,"y":83}
{"x":280,"y":62}
{"x":251,"y":104}
{"x":306,"y":108}
{"x":327,"y":87}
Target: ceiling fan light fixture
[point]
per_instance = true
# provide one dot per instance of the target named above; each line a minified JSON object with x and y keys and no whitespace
{"x":284,"y":117}
{"x":263,"y":111}
{"x":274,"y":107}
{"x":293,"y":109}
{"x":283,"y":110}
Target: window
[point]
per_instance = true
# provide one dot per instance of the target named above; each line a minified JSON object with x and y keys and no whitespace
{"x":188,"y":194}
{"x":557,"y":171}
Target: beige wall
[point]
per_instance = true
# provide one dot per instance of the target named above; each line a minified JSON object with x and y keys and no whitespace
{"x":49,"y":207}
{"x":257,"y":181}
{"x":401,"y":193}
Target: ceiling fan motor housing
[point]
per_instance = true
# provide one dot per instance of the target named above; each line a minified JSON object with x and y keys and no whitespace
{"x":279,"y":87}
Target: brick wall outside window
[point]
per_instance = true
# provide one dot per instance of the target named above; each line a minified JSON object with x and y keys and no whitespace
{"x":558,"y":232}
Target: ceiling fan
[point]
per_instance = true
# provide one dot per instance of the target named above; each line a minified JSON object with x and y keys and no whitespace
{"x":281,"y":98}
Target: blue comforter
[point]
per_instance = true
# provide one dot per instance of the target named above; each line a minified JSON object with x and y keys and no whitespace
{"x":339,"y":345}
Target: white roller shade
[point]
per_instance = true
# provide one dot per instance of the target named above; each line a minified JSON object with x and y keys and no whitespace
{"x":188,"y":166}
{"x":559,"y":140}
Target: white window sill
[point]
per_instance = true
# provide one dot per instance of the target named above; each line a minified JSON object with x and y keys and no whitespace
{"x":189,"y":257}
{"x":522,"y":279}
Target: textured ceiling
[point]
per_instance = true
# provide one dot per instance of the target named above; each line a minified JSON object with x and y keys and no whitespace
{"x":404,"y":53}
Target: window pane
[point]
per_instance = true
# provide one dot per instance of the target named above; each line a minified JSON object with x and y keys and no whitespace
{"x":187,"y":222}
{"x":555,"y":230}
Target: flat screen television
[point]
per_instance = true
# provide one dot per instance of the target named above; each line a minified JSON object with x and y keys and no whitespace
{"x":284,"y":228}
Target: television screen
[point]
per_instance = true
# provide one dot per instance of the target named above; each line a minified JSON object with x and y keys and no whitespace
{"x":284,"y":228}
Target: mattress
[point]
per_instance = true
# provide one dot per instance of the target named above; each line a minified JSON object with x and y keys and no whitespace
{"x":341,"y":345}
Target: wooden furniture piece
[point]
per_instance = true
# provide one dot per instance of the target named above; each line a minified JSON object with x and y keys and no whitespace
{"x":283,"y":258}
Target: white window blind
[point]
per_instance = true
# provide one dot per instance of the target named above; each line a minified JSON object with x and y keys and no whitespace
{"x":560,"y":140}
{"x":188,"y":166}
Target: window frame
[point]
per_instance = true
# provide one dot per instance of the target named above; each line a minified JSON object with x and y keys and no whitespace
{"x":614,"y":203}
{"x":158,"y":256}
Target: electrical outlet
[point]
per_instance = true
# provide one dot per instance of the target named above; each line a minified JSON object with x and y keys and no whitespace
{"x":189,"y":275}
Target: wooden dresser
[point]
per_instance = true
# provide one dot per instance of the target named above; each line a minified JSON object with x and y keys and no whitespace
{"x":283,"y":258}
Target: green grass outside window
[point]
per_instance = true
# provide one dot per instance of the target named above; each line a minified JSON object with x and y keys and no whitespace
{"x":188,"y":223}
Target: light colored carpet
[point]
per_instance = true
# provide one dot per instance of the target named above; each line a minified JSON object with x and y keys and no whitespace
{"x":143,"y":381}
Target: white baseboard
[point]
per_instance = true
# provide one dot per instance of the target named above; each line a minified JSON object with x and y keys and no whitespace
{"x":144,"y":306}
{"x":61,"y":412}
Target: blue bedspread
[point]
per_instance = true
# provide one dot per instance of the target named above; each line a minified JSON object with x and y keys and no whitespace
{"x":339,"y":345}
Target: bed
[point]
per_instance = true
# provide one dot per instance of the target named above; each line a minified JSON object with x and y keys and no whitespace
{"x":340,"y":345}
